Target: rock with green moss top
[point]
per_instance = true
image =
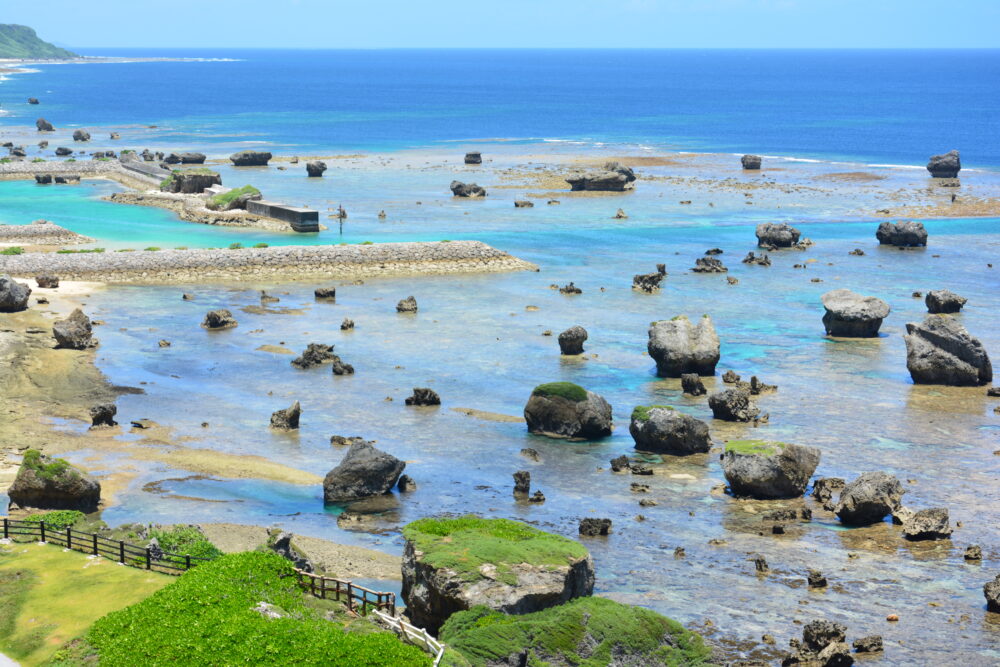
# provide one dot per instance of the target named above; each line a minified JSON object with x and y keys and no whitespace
{"x":234,"y":199}
{"x":587,"y":632}
{"x":678,"y":346}
{"x":566,"y":410}
{"x":766,"y":470}
{"x":190,"y":181}
{"x":663,"y":430}
{"x":454,"y":564}
{"x":46,"y":483}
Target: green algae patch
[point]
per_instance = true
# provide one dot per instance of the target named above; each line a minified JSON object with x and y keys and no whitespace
{"x":751,"y":447}
{"x":641,"y":412}
{"x":586,"y":632}
{"x":466,"y":543}
{"x":567,"y":390}
{"x":207,"y":616}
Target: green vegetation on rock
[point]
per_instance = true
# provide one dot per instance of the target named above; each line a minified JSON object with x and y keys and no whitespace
{"x":585,"y":632}
{"x":641,"y":412}
{"x":51,"y":469}
{"x":207,"y":617}
{"x":82,"y":251}
{"x":465,"y":543}
{"x":749,"y":447}
{"x":59,"y":519}
{"x":223,"y":200}
{"x":20,"y":41}
{"x":567,"y":390}
{"x":13,"y":250}
{"x":185,"y":540}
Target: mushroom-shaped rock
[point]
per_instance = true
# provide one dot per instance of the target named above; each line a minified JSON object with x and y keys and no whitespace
{"x":43,"y":179}
{"x":315,"y":168}
{"x":74,"y":333}
{"x":190,"y":181}
{"x":185,"y":158}
{"x":13,"y":295}
{"x":767,"y":470}
{"x":423,"y":396}
{"x":363,"y":472}
{"x":869,"y":499}
{"x":709,"y":265}
{"x":81,"y":135}
{"x":944,"y":301}
{"x":945,"y":166}
{"x":460,"y":189}
{"x":522,"y":483}
{"x":407,"y":305}
{"x":571,"y":341}
{"x":219,"y":319}
{"x":566,"y":410}
{"x":46,"y":483}
{"x":44,"y":125}
{"x":733,"y":405}
{"x":692,"y":385}
{"x":771,"y":235}
{"x":474,"y":157}
{"x":454,"y":564}
{"x":287,"y":419}
{"x":850,"y":315}
{"x":103,"y":415}
{"x":901,"y":234}
{"x":250,"y":158}
{"x":325,"y":292}
{"x":47,"y":281}
{"x":315,"y":354}
{"x":663,"y":430}
{"x":679,"y":347}
{"x":929,"y":524}
{"x":613,"y":177}
{"x":750,"y":161}
{"x":940,"y":351}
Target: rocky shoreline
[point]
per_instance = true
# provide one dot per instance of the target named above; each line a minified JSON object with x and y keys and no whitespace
{"x":191,"y":208}
{"x":281,"y":262}
{"x":41,"y":232}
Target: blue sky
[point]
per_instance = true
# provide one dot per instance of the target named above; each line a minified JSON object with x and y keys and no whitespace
{"x":512,"y":23}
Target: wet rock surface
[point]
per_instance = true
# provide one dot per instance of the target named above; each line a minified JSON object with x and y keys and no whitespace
{"x":460,"y":189}
{"x":940,"y":351}
{"x":733,"y":405}
{"x":928,"y":524}
{"x":219,"y":319}
{"x":423,"y":396}
{"x":946,"y":165}
{"x":363,"y":472}
{"x":869,"y":499}
{"x":288,"y":418}
{"x":664,"y":430}
{"x":851,"y":315}
{"x":614,"y":177}
{"x":944,"y":301}
{"x":777,"y":235}
{"x":766,"y":470}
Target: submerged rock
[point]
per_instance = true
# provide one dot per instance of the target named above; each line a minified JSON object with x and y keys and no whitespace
{"x":733,"y":405}
{"x":759,"y":260}
{"x":929,"y":524}
{"x":614,"y":177}
{"x":460,"y":189}
{"x":347,"y":324}
{"x":250,"y":158}
{"x":944,"y":301}
{"x":941,"y":351}
{"x":47,"y":483}
{"x":74,"y":333}
{"x":767,"y":470}
{"x":13,"y":295}
{"x":709,"y":265}
{"x":571,"y":341}
{"x":869,"y":644}
{"x":287,"y":419}
{"x":750,"y":162}
{"x":663,"y":430}
{"x":869,"y":499}
{"x":314,"y":355}
{"x":649,"y":282}
{"x":777,"y":235}
{"x":219,"y":319}
{"x":364,"y":472}
{"x":850,"y":315}
{"x":692,"y":385}
{"x":423,"y":396}
{"x":901,"y":234}
{"x":450,"y":565}
{"x":946,"y":165}
{"x":407,"y":305}
{"x":566,"y":410}
{"x":680,"y":347}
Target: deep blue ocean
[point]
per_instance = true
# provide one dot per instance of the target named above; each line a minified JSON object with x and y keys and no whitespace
{"x":891,"y":106}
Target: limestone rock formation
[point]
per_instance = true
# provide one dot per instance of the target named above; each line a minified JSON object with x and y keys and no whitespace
{"x":901,"y":234}
{"x":81,"y":135}
{"x":663,"y":430}
{"x":474,"y":157}
{"x":13,"y":295}
{"x":423,"y":396}
{"x":679,"y":347}
{"x":566,"y":410}
{"x":75,"y":332}
{"x":46,"y":483}
{"x":459,"y":189}
{"x":780,"y":235}
{"x":315,"y":168}
{"x":944,"y":301}
{"x":850,"y":315}
{"x":314,"y":355}
{"x":287,"y":419}
{"x":733,"y":405}
{"x":571,"y":341}
{"x":219,"y":319}
{"x":946,"y":165}
{"x":407,"y":305}
{"x":614,"y":177}
{"x":928,"y":524}
{"x":103,"y":415}
{"x":750,"y":161}
{"x":193,"y":181}
{"x":869,"y":499}
{"x":44,"y":125}
{"x":941,"y":351}
{"x":250,"y":158}
{"x":363,"y":472}
{"x":767,"y":470}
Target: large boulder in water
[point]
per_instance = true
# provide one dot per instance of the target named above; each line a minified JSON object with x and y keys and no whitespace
{"x":944,"y":301}
{"x":771,"y":235}
{"x":614,"y":177}
{"x":869,"y":499}
{"x":733,"y":405}
{"x":945,"y":166}
{"x":663,"y":430}
{"x":679,"y":347}
{"x":185,"y":158}
{"x":46,"y":483}
{"x":928,"y":524}
{"x":315,"y":168}
{"x":287,"y":419}
{"x":190,"y":181}
{"x":75,"y":332}
{"x":571,"y":341}
{"x":44,"y":125}
{"x":454,"y":564}
{"x":363,"y":472}
{"x":315,"y":354}
{"x":850,"y":315}
{"x":941,"y":351}
{"x":217,"y":320}
{"x":13,"y":295}
{"x":460,"y":189}
{"x":566,"y":410}
{"x":250,"y":158}
{"x":81,"y":135}
{"x":768,"y":470}
{"x":901,"y":234}
{"x":473,"y":157}
{"x":751,"y":162}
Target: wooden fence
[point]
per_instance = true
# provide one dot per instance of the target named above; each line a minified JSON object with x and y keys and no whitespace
{"x":357,"y":598}
{"x":413,"y":635}
{"x":96,"y":545}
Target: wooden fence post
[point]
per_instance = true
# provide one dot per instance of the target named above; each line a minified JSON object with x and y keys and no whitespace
{"x":121,"y":551}
{"x":94,"y":544}
{"x":69,"y":537}
{"x":6,"y":530}
{"x":350,"y":597}
{"x":187,"y":561}
{"x":149,"y":561}
{"x":41,"y":530}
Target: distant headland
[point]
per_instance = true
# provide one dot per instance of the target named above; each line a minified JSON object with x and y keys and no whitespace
{"x":20,"y":41}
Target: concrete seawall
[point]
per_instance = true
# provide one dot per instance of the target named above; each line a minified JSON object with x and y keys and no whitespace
{"x":275,"y":264}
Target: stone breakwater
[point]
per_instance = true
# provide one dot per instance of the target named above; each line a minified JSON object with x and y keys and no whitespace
{"x":269,"y":264}
{"x":191,"y":208}
{"x":40,"y":232}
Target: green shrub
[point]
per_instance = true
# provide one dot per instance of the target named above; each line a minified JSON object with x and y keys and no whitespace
{"x":567,"y":390}
{"x":367,"y":243}
{"x":186,"y":540}
{"x":81,"y":251}
{"x":72,"y":159}
{"x":34,"y":460}
{"x":586,"y":632}
{"x":60,"y":519}
{"x":260,"y":245}
{"x":125,"y":250}
{"x":39,"y":159}
{"x":13,"y":250}
{"x":465,"y":543}
{"x":181,"y":247}
{"x":641,"y":412}
{"x":151,"y":248}
{"x":207,"y":617}
{"x":235,"y":246}
{"x":226,"y":198}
